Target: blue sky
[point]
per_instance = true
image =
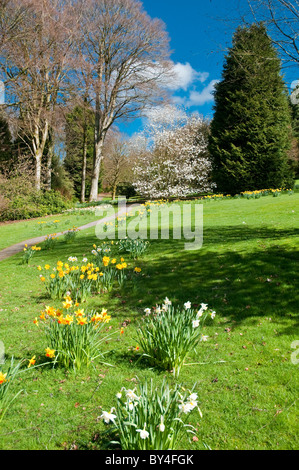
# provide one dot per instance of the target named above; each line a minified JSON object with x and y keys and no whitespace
{"x":200,"y":32}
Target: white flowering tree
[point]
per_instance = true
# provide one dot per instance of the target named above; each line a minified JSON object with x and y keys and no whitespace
{"x":172,"y":156}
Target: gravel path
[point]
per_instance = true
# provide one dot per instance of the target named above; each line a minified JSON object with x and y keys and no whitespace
{"x":18,"y":247}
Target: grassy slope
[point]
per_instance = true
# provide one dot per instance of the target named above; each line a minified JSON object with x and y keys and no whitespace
{"x":245,"y":271}
{"x":12,"y":233}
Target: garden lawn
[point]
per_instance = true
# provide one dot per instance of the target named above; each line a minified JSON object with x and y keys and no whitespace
{"x":15,"y":232}
{"x":246,"y":383}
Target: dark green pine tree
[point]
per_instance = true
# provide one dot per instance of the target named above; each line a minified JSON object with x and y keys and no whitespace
{"x":251,"y":128}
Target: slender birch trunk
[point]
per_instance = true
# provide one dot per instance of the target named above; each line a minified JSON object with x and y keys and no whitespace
{"x":84,"y":163}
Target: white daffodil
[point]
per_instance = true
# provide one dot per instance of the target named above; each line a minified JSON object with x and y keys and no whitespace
{"x":147,"y":311}
{"x":187,"y":305}
{"x":204,"y":307}
{"x":132,"y":395}
{"x":213,"y":315}
{"x":158,"y":310}
{"x":107,"y":417}
{"x":84,"y":260}
{"x":195,"y":323}
{"x":167,"y":301}
{"x":131,"y":405}
{"x":199,"y":313}
{"x":162,"y":425}
{"x":143,"y":433}
{"x":193,"y":397}
{"x":204,"y":338}
{"x":118,"y":396}
{"x":185,"y":408}
{"x":192,"y":404}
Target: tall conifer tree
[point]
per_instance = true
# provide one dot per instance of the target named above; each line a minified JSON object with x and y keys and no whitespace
{"x":251,"y":128}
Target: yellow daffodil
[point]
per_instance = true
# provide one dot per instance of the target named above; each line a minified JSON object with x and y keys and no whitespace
{"x":69,"y":319}
{"x":67,"y":304}
{"x":106,"y":260}
{"x":82,"y":321}
{"x":32,"y":361}
{"x":2,"y":378}
{"x":79,"y":312}
{"x":50,"y":352}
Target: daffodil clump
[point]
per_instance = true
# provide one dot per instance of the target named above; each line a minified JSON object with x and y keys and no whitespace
{"x":50,"y":241}
{"x":84,"y":278}
{"x":149,"y":418}
{"x":265,"y":192}
{"x":135,"y":248}
{"x":70,"y":235}
{"x":247,"y":194}
{"x":74,"y":337}
{"x":48,"y":224}
{"x":6,"y":382}
{"x":29,"y":252}
{"x":111,"y":268}
{"x":167,"y":333}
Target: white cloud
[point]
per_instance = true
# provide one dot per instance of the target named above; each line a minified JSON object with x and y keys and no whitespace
{"x":184,"y":75}
{"x":205,"y":96}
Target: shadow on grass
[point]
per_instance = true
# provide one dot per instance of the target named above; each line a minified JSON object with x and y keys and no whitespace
{"x":241,"y":272}
{"x":241,"y":282}
{"x":137,"y":361}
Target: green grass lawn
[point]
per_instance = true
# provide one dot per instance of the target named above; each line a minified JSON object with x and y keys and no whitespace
{"x":15,"y":232}
{"x":247,"y":385}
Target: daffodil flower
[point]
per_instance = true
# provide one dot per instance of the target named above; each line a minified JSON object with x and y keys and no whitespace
{"x":143,"y":433}
{"x":107,"y":417}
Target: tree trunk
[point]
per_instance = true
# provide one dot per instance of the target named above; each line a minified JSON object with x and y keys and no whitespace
{"x":114,"y":192}
{"x":84,"y":163}
{"x":38,"y":169}
{"x":49,"y":165}
{"x":96,"y":170}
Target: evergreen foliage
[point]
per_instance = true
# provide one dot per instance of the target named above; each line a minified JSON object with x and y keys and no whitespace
{"x":251,"y":129}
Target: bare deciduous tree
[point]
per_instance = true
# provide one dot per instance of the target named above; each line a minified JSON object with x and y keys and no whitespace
{"x":282,"y":20}
{"x":116,"y":161}
{"x":11,"y":15}
{"x":125,"y":53}
{"x":35,"y":67}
